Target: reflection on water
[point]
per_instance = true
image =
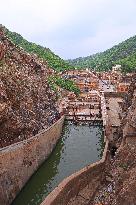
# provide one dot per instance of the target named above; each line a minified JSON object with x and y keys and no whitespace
{"x":79,"y":146}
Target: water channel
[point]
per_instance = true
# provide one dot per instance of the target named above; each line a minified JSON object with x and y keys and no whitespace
{"x":79,"y":146}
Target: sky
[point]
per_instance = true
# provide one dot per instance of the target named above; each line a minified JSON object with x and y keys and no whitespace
{"x":71,"y":28}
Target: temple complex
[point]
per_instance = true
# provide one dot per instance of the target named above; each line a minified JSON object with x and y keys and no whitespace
{"x":87,"y":106}
{"x":111,"y":180}
{"x":32,"y":116}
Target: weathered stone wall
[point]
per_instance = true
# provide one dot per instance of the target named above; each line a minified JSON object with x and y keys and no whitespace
{"x":69,"y":188}
{"x":115,"y":94}
{"x":104,"y":111}
{"x":19,"y":161}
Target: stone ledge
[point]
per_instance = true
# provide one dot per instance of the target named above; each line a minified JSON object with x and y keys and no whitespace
{"x":20,"y":160}
{"x":31,"y":138}
{"x":72,"y":185}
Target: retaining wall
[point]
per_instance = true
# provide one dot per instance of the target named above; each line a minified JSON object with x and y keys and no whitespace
{"x":70,"y":187}
{"x":20,"y":160}
{"x":115,"y":94}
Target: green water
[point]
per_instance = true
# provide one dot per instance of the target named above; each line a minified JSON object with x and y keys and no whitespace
{"x":79,"y":146}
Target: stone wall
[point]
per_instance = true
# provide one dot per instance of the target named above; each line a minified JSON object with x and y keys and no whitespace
{"x":69,"y":188}
{"x":19,"y":161}
{"x":115,"y":94}
{"x":104,"y":110}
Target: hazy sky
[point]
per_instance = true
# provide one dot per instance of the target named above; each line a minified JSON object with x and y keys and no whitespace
{"x":71,"y":28}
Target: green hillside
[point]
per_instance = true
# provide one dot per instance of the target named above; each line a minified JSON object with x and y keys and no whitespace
{"x":63,"y":83}
{"x":54,"y":61}
{"x":46,"y":54}
{"x":123,"y":53}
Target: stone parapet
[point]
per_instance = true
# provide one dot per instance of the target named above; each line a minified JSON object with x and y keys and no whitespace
{"x":20,"y":160}
{"x":70,"y":187}
{"x":115,"y":94}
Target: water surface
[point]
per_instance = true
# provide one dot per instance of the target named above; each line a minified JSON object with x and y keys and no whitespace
{"x":79,"y":146}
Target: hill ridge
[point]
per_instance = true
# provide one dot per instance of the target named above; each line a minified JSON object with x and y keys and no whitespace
{"x":53,"y":60}
{"x":123,"y":53}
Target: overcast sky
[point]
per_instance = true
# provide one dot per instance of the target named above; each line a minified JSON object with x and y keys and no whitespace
{"x":71,"y":28}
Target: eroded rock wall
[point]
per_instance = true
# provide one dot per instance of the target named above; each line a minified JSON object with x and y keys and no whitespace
{"x":27,"y":104}
{"x":120,"y":172}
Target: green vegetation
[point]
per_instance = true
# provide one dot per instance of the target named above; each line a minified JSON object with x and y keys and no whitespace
{"x":69,"y":85}
{"x":123,"y":53}
{"x":46,"y":54}
{"x":128,"y":63}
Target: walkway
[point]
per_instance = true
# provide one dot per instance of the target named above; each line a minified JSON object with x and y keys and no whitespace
{"x":114,"y":110}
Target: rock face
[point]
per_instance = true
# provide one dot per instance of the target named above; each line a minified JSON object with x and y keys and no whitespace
{"x":129,"y":108}
{"x":129,"y":97}
{"x":121,"y":188}
{"x":27,"y":104}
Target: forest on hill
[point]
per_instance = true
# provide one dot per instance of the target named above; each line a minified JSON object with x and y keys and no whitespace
{"x":54,"y":61}
{"x":123,"y":54}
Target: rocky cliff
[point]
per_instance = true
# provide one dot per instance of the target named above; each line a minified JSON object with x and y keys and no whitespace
{"x":119,"y":186}
{"x":27,"y":104}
